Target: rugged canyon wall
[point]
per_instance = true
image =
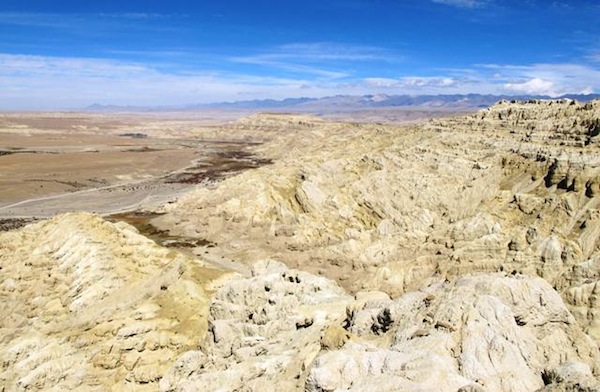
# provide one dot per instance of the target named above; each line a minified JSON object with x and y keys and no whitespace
{"x":459,"y":255}
{"x":512,"y":188}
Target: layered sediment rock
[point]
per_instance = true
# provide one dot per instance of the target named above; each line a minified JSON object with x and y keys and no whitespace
{"x":87,"y":304}
{"x":461,"y":254}
{"x":511,"y":188}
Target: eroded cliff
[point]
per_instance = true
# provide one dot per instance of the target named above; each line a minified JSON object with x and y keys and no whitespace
{"x":458,"y":254}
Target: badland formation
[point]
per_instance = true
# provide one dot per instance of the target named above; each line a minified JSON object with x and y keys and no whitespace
{"x":295,"y":253}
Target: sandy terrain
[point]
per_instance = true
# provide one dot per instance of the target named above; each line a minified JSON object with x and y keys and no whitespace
{"x":108,"y":163}
{"x":53,"y":164}
{"x":113,"y":162}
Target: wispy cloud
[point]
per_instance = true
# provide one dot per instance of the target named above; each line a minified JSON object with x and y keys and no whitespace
{"x":60,"y":82}
{"x":334,"y":52}
{"x":20,"y":65}
{"x":462,"y":3}
{"x":35,"y":19}
{"x":139,"y":15}
{"x":327,"y":60}
{"x":594,"y":57}
{"x":292,"y":67}
{"x":41,"y":82}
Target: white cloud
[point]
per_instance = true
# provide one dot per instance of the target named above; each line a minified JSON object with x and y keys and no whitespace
{"x":535,"y":79}
{"x":62,"y":82}
{"x":59,"y":82}
{"x":413,"y":84}
{"x":435,"y":82}
{"x":382,"y":82}
{"x":321,"y":59}
{"x":462,"y":3}
{"x":535,"y":86}
{"x":16,"y":65}
{"x":550,"y":79}
{"x":38,"y":82}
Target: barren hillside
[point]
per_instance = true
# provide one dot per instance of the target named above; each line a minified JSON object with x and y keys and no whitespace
{"x":460,"y":254}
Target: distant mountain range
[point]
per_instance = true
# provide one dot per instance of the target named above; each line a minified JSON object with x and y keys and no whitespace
{"x":347,"y":103}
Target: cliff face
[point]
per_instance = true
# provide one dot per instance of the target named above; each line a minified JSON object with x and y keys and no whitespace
{"x":459,"y":254}
{"x":511,"y":188}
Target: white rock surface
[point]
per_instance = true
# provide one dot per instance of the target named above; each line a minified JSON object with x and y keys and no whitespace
{"x":91,"y":305}
{"x":497,"y":332}
{"x":264,"y":332}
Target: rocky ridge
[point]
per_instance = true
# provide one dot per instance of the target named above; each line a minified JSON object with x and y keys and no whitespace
{"x":87,"y":304}
{"x":510,"y":189}
{"x":460,"y":254}
{"x":403,"y":205}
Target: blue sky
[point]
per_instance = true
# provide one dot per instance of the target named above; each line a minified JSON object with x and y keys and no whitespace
{"x":69,"y":54}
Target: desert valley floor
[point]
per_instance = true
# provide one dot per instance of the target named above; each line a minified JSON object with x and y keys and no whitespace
{"x":256,"y":252}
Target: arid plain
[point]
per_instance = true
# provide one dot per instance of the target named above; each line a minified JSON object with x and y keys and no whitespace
{"x":238,"y":252}
{"x":57,"y":162}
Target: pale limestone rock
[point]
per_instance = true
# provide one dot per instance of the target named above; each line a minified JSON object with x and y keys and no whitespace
{"x":310,"y":196}
{"x":491,"y":332}
{"x":570,"y":376}
{"x":334,"y":337}
{"x":264,"y":332}
{"x":97,"y":306}
{"x":589,"y":236}
{"x":477,"y":227}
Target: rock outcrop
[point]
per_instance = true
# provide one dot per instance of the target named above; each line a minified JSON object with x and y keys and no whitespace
{"x":265,"y":332}
{"x":461,"y":254}
{"x":287,"y":330}
{"x":87,"y":304}
{"x":512,"y":188}
{"x":487,"y":332}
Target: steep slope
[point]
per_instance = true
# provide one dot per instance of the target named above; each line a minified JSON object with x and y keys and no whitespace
{"x":460,"y":254}
{"x":514,"y":188}
{"x":91,"y":305}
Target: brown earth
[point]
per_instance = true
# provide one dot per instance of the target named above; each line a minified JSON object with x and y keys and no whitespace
{"x":52,"y":164}
{"x":107,"y":163}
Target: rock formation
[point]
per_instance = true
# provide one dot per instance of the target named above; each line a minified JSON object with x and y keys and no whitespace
{"x":483,"y":332}
{"x":511,"y":188}
{"x":460,"y":254}
{"x":265,"y":332}
{"x":291,"y":331}
{"x":87,"y":304}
